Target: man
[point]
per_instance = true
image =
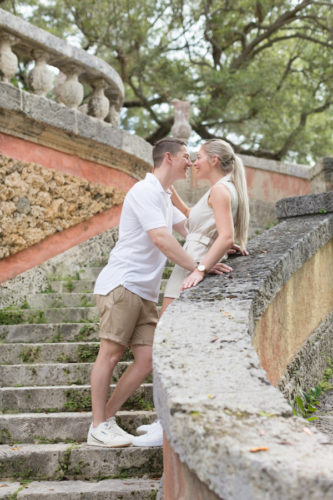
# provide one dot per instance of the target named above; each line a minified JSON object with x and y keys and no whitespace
{"x":127,"y":288}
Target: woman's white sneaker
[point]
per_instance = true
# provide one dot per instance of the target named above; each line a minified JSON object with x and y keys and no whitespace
{"x":152,"y":438}
{"x":103,"y":435}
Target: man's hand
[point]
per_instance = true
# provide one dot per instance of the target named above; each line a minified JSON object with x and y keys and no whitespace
{"x":237,"y":249}
{"x":220,"y":268}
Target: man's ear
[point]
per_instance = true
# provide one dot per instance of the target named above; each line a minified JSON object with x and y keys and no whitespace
{"x":168,"y":157}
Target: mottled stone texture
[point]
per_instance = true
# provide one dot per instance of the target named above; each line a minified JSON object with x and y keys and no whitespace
{"x":321,"y":203}
{"x":222,"y":417}
{"x":36,"y":202}
{"x":94,"y":251}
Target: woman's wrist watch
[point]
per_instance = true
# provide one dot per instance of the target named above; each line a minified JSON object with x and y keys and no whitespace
{"x":201,"y":268}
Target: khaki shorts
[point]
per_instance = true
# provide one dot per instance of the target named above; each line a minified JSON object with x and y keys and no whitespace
{"x":126,"y":318}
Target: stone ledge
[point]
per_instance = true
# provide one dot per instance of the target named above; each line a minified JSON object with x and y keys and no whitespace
{"x":310,"y":204}
{"x":294,"y":169}
{"x":46,"y":122}
{"x":213,"y":397}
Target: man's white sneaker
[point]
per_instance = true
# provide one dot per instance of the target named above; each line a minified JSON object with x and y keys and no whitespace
{"x":152,"y":438}
{"x":113,"y":426}
{"x":102,"y":435}
{"x":143,"y":429}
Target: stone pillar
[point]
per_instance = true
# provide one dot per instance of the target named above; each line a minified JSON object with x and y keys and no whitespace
{"x":98,"y":104}
{"x":181,"y":129}
{"x":8,"y":60}
{"x":70,"y":92}
{"x":40,"y":77}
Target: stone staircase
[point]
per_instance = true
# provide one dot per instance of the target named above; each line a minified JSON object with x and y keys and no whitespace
{"x":47,"y":350}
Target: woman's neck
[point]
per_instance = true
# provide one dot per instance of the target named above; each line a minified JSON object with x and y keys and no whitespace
{"x":215,"y":176}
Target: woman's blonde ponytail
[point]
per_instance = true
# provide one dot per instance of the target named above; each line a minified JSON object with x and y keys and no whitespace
{"x":231,"y":163}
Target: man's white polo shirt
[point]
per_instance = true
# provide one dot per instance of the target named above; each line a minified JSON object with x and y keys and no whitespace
{"x":135,"y":262}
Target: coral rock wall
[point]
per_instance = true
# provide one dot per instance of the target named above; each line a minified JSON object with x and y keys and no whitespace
{"x":36,"y":202}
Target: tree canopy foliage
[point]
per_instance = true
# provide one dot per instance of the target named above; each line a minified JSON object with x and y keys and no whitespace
{"x":258,"y":73}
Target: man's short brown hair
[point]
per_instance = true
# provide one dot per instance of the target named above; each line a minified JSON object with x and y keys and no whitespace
{"x":167,"y":145}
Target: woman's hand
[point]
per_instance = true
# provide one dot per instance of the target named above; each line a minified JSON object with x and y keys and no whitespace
{"x":192,"y":280}
{"x":237,"y":249}
{"x":220,"y":268}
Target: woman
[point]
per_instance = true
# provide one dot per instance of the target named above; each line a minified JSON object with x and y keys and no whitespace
{"x":218,"y":218}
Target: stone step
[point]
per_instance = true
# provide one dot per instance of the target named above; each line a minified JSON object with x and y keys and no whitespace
{"x":108,"y":489}
{"x":52,"y":374}
{"x":64,"y":299}
{"x":76,"y":286}
{"x":61,"y":427}
{"x":49,"y":332}
{"x":60,"y":352}
{"x":62,"y":461}
{"x":55,"y":315}
{"x":90,"y":273}
{"x":64,"y":398}
{"x":79,"y":286}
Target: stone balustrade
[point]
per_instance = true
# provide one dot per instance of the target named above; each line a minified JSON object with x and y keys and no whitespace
{"x":21,"y":41}
{"x":224,"y":348}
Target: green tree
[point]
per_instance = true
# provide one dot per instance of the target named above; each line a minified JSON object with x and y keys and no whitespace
{"x":257,"y":73}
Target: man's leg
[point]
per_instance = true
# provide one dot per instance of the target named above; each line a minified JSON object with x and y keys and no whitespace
{"x":131,"y":379}
{"x":109,"y":354}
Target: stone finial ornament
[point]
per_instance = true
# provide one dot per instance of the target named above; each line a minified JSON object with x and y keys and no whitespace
{"x":70,"y":92}
{"x":181,"y":128}
{"x":98,"y":104}
{"x":40,"y":77}
{"x":8,"y":60}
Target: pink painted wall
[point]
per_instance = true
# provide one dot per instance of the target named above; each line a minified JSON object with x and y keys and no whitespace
{"x":19,"y":149}
{"x":266,"y":185}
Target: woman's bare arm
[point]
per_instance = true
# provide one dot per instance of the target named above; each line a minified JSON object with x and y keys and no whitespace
{"x":179,"y":203}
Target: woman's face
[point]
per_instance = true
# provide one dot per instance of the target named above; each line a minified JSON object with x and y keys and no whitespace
{"x":202,"y":164}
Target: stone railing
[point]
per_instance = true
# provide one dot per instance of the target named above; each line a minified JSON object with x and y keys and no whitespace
{"x":223,"y":348}
{"x":20,"y":40}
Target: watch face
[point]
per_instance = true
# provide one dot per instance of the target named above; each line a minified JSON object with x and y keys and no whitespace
{"x":201,"y":268}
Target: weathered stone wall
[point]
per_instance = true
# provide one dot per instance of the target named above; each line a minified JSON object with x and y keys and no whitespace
{"x":92,"y":252}
{"x":223,"y":419}
{"x":36,"y":202}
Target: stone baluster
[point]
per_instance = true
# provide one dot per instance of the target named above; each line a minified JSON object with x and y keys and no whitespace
{"x":113,"y":117}
{"x":40,"y":77}
{"x":70,"y":92}
{"x":8,"y":60}
{"x":98,"y":104}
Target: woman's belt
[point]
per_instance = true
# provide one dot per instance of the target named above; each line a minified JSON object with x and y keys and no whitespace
{"x":205,"y":240}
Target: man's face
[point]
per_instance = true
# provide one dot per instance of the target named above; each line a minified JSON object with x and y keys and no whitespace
{"x":181,"y":162}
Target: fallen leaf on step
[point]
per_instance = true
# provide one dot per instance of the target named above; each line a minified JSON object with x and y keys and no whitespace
{"x":225,"y":313}
{"x":15,"y":448}
{"x":3,"y":485}
{"x":307,"y":431}
{"x":259,"y":448}
{"x":214,"y":338}
{"x":211,"y":396}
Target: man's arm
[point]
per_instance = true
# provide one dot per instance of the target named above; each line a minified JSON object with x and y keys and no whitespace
{"x":168,"y":245}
